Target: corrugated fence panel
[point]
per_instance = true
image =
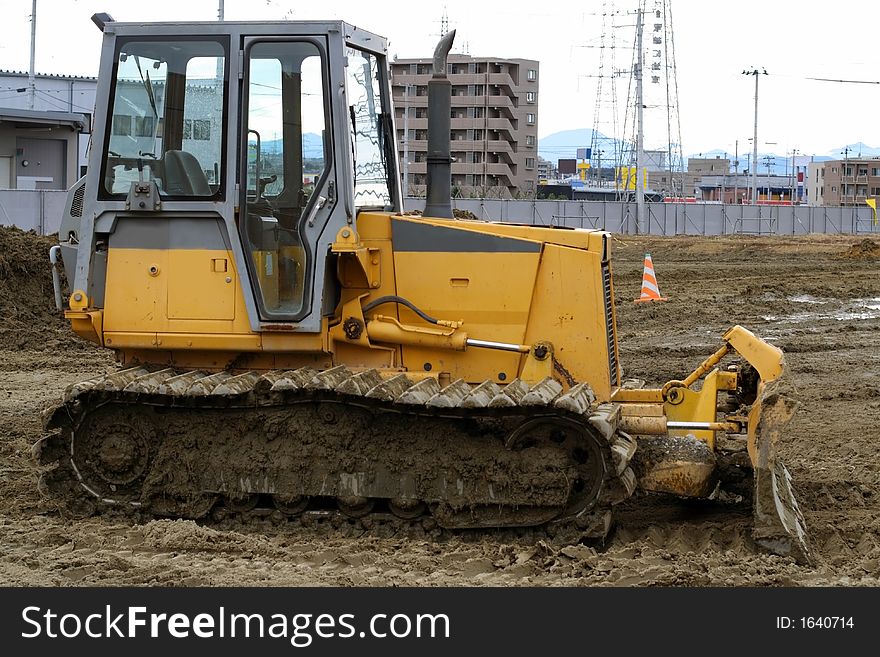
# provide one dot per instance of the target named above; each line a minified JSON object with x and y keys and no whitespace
{"x":37,"y":210}
{"x":40,"y":211}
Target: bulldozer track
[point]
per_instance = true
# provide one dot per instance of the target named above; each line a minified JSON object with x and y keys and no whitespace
{"x":310,"y":446}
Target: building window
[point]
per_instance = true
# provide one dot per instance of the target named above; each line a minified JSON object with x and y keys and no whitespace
{"x":875,"y":191}
{"x":833,"y":189}
{"x":121,"y":124}
{"x":530,"y":96}
{"x":875,"y":171}
{"x":198,"y":129}
{"x":532,"y":74}
{"x":833,"y":169}
{"x":530,"y":119}
{"x":143,"y":126}
{"x":530,"y":140}
{"x":530,"y":163}
{"x":202,"y":129}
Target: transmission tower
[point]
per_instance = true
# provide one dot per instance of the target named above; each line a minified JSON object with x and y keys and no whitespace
{"x":661,"y":127}
{"x":604,"y":143}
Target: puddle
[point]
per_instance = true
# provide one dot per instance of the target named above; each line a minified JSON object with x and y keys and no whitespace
{"x":806,"y":298}
{"x":854,"y":309}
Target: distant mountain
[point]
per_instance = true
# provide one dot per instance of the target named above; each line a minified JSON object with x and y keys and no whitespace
{"x":779,"y":165}
{"x":313,"y":145}
{"x":858,"y":149}
{"x":564,"y":145}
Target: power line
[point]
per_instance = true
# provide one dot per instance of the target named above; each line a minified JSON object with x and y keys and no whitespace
{"x":57,"y":102}
{"x":60,"y":100}
{"x":844,"y":81}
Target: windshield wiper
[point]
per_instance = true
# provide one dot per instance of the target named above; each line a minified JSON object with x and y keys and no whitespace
{"x":147,"y":85}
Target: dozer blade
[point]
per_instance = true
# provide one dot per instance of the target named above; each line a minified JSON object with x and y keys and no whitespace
{"x":778,"y":522}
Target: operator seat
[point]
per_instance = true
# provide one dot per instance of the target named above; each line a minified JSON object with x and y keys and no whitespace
{"x":184,"y":175}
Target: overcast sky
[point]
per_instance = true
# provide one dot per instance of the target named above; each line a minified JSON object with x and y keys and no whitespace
{"x":714,"y":42}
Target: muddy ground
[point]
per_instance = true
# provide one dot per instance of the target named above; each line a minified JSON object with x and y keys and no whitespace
{"x":816,"y":297}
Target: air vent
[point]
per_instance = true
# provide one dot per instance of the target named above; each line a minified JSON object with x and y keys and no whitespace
{"x":609,"y":322}
{"x":76,"y":205}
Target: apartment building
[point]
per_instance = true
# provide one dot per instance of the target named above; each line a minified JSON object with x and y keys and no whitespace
{"x":494,"y":130}
{"x":847,"y":182}
{"x":816,"y":183}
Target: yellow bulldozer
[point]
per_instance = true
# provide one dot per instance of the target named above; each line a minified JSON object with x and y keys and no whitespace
{"x":290,"y":339}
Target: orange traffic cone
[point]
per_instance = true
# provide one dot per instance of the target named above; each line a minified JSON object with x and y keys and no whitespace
{"x":650,"y":291}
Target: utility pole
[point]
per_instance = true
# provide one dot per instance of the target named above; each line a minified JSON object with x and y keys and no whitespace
{"x":794,"y":152}
{"x":755,"y":72}
{"x":221,"y":14}
{"x":31,"y":76}
{"x":599,"y":167}
{"x":736,"y":172}
{"x":640,"y":137}
{"x":769,"y":161}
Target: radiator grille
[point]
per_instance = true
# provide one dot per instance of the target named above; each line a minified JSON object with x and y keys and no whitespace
{"x":76,"y":205}
{"x":609,"y":322}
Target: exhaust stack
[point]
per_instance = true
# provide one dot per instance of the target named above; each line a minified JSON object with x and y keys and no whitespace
{"x":439,"y":187}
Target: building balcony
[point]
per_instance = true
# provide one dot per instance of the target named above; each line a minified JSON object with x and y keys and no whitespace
{"x":467,"y":168}
{"x":410,"y":78}
{"x":501,"y":80}
{"x":467,"y":78}
{"x":501,"y":124}
{"x":488,"y":102}
{"x":415,"y":145}
{"x":411,"y":123}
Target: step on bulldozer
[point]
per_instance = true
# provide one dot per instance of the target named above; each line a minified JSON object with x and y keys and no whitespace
{"x":290,"y":339}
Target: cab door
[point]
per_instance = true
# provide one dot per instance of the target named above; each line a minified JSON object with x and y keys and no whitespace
{"x":286,"y":170}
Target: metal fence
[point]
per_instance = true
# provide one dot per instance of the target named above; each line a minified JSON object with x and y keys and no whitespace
{"x":672,"y":218}
{"x":38,"y":210}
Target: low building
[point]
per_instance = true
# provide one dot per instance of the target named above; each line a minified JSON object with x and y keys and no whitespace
{"x":737,"y":189}
{"x":44,"y":147}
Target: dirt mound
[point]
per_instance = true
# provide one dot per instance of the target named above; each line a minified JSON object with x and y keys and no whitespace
{"x":29,"y":319}
{"x":867,"y":248}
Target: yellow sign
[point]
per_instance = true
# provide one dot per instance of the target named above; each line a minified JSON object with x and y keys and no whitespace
{"x":626,"y":177}
{"x":872,"y":202}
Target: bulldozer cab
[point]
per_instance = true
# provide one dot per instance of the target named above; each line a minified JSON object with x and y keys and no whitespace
{"x":281,"y":132}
